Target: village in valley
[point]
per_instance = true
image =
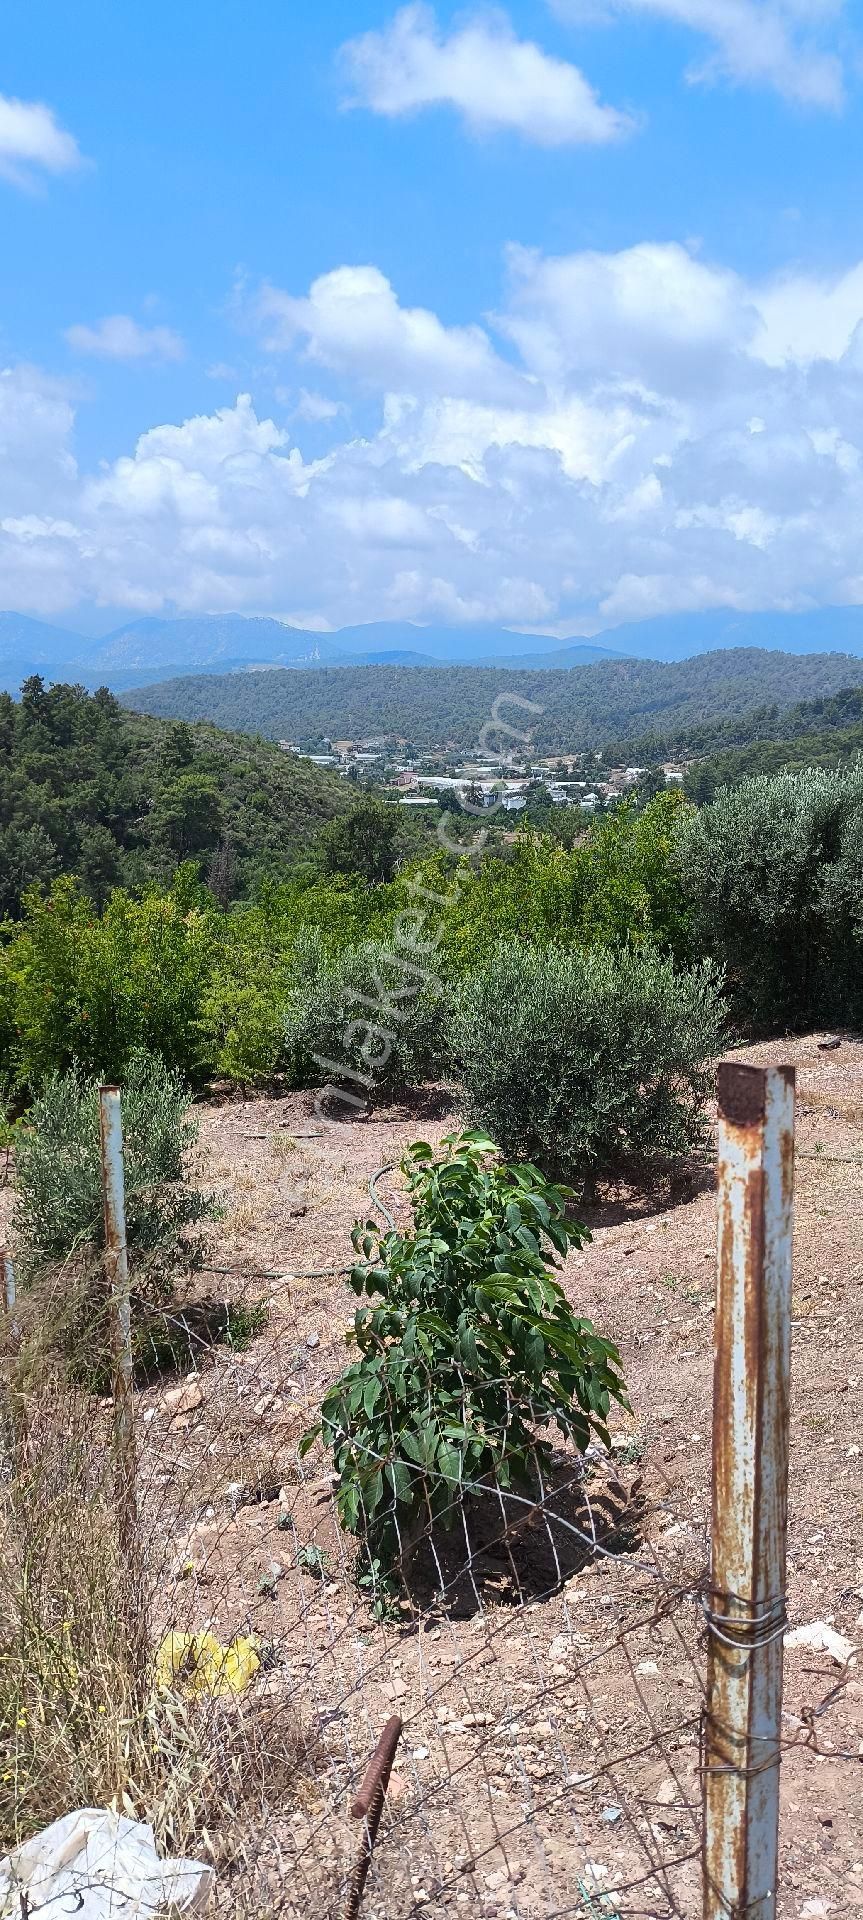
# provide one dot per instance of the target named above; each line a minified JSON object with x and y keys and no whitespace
{"x":507,"y":784}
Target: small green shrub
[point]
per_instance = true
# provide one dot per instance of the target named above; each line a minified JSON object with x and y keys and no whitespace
{"x":366,"y":1012}
{"x":589,"y":1062}
{"x":471,"y":1355}
{"x":10,"y":1133}
{"x":57,"y":1219}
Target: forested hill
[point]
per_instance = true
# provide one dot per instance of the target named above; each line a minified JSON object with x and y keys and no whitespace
{"x":87,"y":788}
{"x":805,"y":720}
{"x":431,"y":706}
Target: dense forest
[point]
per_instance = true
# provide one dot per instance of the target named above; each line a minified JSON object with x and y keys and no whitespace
{"x":836,"y":748}
{"x":826,"y":729}
{"x":115,"y":798}
{"x":572,"y":708}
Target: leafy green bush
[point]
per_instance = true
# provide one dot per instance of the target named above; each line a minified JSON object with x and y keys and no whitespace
{"x":630,"y":890}
{"x":773,"y":876}
{"x":367,"y":1014}
{"x":264,"y":949}
{"x":471,"y":1355}
{"x":88,"y":992}
{"x":618,"y":887}
{"x":244,"y":1003}
{"x":57,"y":1219}
{"x":592,"y":1062}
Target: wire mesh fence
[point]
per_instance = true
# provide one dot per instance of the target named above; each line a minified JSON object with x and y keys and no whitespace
{"x":542,"y":1646}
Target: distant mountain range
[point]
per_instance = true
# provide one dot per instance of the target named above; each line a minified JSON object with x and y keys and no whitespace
{"x":154,"y":649}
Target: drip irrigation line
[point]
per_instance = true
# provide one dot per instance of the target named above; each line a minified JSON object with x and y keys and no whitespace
{"x":295,"y":1273}
{"x":376,"y":1199}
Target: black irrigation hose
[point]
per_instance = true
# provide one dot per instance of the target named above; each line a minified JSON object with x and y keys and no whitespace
{"x":375,"y":1196}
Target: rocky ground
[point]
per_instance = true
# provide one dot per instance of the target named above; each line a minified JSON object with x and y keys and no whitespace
{"x":551,"y":1700}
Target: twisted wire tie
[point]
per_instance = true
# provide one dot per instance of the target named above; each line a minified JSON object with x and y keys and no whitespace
{"x":747,"y":1632}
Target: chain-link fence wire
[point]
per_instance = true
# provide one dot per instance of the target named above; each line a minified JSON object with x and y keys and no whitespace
{"x":541,"y":1645}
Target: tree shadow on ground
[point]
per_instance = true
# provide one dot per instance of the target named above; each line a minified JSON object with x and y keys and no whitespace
{"x":616,"y":1203}
{"x":507,"y":1549}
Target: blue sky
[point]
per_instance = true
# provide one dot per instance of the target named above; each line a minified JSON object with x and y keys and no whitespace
{"x":545,"y":314}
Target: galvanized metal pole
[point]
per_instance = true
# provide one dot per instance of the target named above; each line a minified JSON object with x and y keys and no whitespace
{"x":8,"y":1279}
{"x":16,"y":1427}
{"x":8,"y":1274}
{"x":746,"y":1603}
{"x":117,"y":1275}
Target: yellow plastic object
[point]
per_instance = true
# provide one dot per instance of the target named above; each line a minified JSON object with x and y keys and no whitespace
{"x":197,"y":1665}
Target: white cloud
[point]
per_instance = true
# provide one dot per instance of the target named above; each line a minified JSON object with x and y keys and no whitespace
{"x":804,"y":319}
{"x":651,"y":312}
{"x":317,"y":407}
{"x":351,"y":321}
{"x":667,"y":436}
{"x":383,"y":521}
{"x":496,"y":81}
{"x":761,"y":43}
{"x":36,"y":422}
{"x":118,"y":337}
{"x":32,"y":141}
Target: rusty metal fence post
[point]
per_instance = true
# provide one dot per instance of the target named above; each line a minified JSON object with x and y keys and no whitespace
{"x":745,"y":1605}
{"x":120,"y":1310}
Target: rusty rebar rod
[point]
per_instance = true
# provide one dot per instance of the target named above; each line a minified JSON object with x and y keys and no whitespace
{"x":744,"y":1605}
{"x":368,"y":1805}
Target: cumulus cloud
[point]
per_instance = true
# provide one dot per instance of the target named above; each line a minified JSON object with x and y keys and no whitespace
{"x":651,"y":312}
{"x":636,"y":432}
{"x":761,"y":43}
{"x":482,"y":70}
{"x":118,"y":337}
{"x":352,"y":322}
{"x":32,"y":141}
{"x":804,"y":319}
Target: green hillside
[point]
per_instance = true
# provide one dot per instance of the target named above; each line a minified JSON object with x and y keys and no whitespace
{"x":88,"y":788}
{"x":432,"y":706}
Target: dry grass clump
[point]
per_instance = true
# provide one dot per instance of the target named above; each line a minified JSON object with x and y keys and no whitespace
{"x":843,"y":1103}
{"x":79,"y":1725}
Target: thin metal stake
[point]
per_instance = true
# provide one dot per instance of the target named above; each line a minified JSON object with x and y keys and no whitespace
{"x":117,"y":1275}
{"x":17,"y":1425}
{"x":745,"y":1607}
{"x":8,"y":1273}
{"x":10,"y":1296}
